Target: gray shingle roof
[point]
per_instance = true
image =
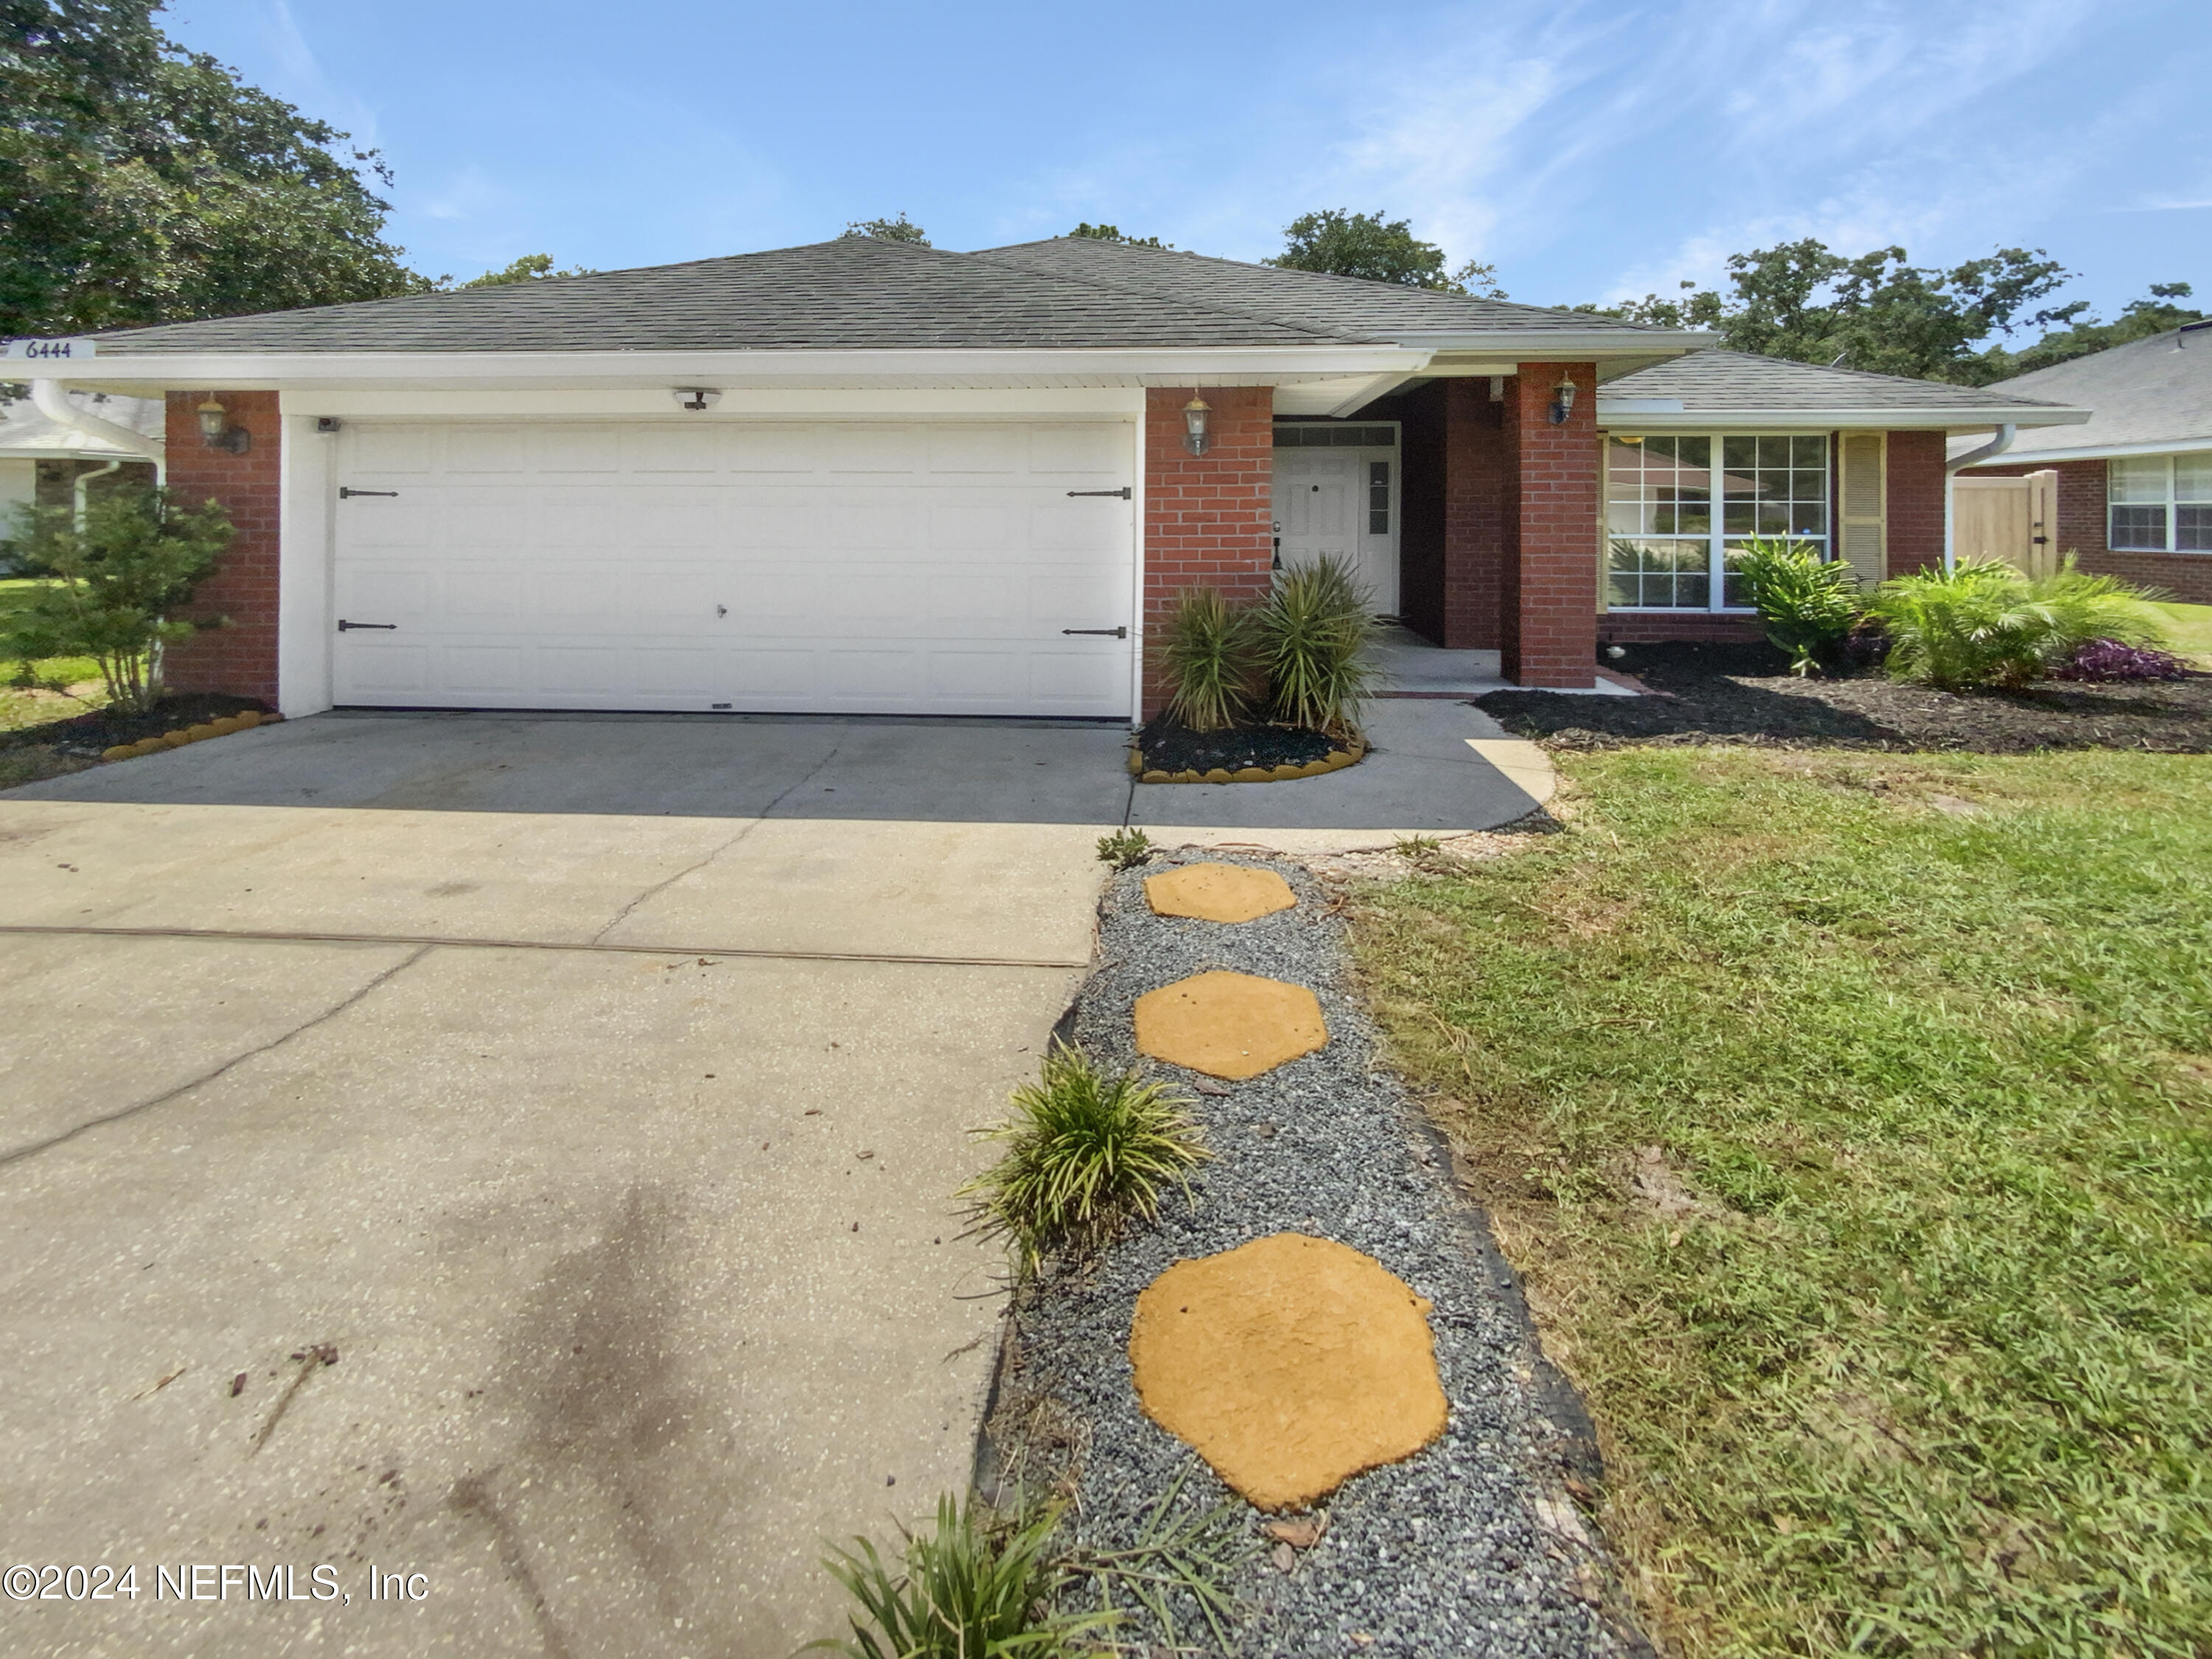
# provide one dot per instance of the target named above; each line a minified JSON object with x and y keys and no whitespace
{"x":1722,"y":382}
{"x":1310,"y":297}
{"x":854,"y":293}
{"x":857,"y":293}
{"x":2156,"y":391}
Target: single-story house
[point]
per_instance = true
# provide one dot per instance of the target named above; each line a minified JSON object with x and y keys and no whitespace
{"x":49,"y":462}
{"x":2134,"y":483}
{"x":868,"y":476}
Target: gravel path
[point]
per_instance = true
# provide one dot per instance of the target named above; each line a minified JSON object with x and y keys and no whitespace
{"x":1471,"y":1546}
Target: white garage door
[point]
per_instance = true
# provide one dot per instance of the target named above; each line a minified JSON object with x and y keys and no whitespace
{"x":830,"y":567}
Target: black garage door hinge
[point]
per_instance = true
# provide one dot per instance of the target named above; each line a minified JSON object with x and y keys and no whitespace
{"x":347,"y":495}
{"x":1115,"y":633}
{"x":1122,"y":493}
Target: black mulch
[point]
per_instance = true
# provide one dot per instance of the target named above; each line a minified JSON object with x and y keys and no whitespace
{"x":90,"y":733}
{"x":1169,"y":746}
{"x":1744,"y":694}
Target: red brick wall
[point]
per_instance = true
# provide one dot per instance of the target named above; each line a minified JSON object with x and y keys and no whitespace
{"x":1208,"y":519}
{"x":1549,"y":583}
{"x":241,"y":659}
{"x":1421,"y":475}
{"x":1917,"y":484}
{"x":2082,"y":526}
{"x":1474,"y":516}
{"x":1651,"y":627}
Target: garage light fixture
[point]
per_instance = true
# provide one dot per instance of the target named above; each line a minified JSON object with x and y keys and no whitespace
{"x":1193,"y":419}
{"x":216,"y":431}
{"x":1563,"y":399}
{"x":696,"y":397}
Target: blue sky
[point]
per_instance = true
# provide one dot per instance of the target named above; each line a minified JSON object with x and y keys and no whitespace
{"x":1589,"y":150}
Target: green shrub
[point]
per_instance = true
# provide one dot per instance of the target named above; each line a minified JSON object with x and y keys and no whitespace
{"x":118,"y":577}
{"x":1208,"y":656}
{"x":1084,"y":1152}
{"x":1989,"y":623}
{"x":1314,"y":632}
{"x":975,"y":1588}
{"x":1807,"y":604}
{"x":1125,"y":848}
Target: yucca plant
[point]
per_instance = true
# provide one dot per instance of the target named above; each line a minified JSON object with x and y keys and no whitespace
{"x":1314,"y":633}
{"x":1987,"y":622}
{"x":1807,"y":603}
{"x":1085,"y":1150}
{"x":1208,"y":654}
{"x":977,"y":1588}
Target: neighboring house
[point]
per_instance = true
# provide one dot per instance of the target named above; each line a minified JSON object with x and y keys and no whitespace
{"x":868,"y":476}
{"x":44,"y":462}
{"x":2134,"y":484}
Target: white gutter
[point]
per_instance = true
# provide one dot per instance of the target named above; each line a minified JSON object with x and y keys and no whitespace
{"x":1988,"y":452}
{"x":76,"y":510}
{"x":1637,"y":415}
{"x":48,"y":397}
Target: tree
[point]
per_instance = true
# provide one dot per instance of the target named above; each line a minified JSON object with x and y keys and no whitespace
{"x":530,"y":268}
{"x":1802,"y":301}
{"x":1113,"y":234}
{"x":901,"y":229}
{"x":142,"y":183}
{"x":1341,"y":243}
{"x":119,"y":575}
{"x":2139,"y":320}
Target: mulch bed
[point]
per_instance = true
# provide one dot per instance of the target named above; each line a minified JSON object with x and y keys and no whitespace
{"x":1474,"y":1545}
{"x":1744,"y":694}
{"x":90,"y":733}
{"x":1169,"y":746}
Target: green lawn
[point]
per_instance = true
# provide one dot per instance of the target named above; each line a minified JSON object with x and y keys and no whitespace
{"x":16,"y":593}
{"x":1924,"y":1045}
{"x":2192,"y":630}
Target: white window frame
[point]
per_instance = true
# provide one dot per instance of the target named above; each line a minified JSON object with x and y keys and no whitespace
{"x":1716,"y":537}
{"x":2169,"y":504}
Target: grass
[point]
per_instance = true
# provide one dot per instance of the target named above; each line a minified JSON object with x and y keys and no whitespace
{"x":1085,"y":1150}
{"x":2193,"y":631}
{"x":1851,"y":1118}
{"x":15,"y":595}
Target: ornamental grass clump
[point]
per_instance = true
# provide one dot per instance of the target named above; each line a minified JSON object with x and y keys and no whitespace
{"x":1208,"y":653}
{"x":1314,"y":633}
{"x":1085,"y":1150}
{"x":976,"y":1588}
{"x":1807,"y":603}
{"x":1988,"y":623}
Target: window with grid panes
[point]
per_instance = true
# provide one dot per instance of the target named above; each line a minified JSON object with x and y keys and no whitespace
{"x":2159,"y":503}
{"x":1669,"y":549}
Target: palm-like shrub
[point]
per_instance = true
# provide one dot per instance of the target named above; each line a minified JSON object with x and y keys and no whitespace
{"x":1208,"y":655}
{"x":971,"y":1590}
{"x":1807,"y":603}
{"x":1083,"y":1151}
{"x":1988,"y":623}
{"x":1312,"y":633}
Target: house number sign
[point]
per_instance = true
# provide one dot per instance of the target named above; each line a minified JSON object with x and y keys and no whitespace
{"x":42,"y":350}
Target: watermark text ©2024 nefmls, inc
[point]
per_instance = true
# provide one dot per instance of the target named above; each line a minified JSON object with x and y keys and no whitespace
{"x":206,"y":1581}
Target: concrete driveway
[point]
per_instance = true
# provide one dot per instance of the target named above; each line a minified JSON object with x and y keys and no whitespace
{"x":517,"y":1151}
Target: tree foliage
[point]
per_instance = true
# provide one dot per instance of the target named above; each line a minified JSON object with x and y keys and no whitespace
{"x":1340,"y":243}
{"x":1113,"y":234}
{"x":530,"y":268}
{"x":901,"y":229}
{"x":143,"y":183}
{"x":119,"y":575}
{"x":2139,"y":320}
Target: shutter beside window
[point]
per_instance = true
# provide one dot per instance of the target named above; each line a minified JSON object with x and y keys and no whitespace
{"x":1864,"y":459}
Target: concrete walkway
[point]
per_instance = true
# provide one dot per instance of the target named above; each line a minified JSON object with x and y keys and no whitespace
{"x":594,"y":1090}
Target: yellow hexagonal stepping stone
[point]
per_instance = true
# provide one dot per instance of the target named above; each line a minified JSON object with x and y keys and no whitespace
{"x":1290,"y":1365}
{"x":1229,"y":1025}
{"x":1218,"y":892}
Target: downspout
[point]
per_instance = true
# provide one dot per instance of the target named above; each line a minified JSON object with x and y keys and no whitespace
{"x":1988,"y":452}
{"x":78,"y":491}
{"x":51,"y":401}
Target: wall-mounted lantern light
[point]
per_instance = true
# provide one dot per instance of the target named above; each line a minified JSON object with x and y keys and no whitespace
{"x":216,"y":431}
{"x":1563,"y":399}
{"x":696,"y":397}
{"x":1194,"y":420}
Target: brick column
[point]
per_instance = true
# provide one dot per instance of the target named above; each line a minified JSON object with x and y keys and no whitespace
{"x":1549,"y":584}
{"x":1209,"y":519}
{"x":239,"y":659}
{"x":1917,"y":486}
{"x":1475,"y":515}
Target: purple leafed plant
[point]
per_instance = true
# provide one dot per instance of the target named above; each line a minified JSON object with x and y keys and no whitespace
{"x":2109,"y":660}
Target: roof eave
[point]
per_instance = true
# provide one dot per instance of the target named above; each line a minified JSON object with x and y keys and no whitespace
{"x":2103,"y":452}
{"x":1965,"y":418}
{"x":1558,"y":344}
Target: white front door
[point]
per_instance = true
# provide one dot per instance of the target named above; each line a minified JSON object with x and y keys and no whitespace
{"x":1340,"y":503}
{"x":806,"y":567}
